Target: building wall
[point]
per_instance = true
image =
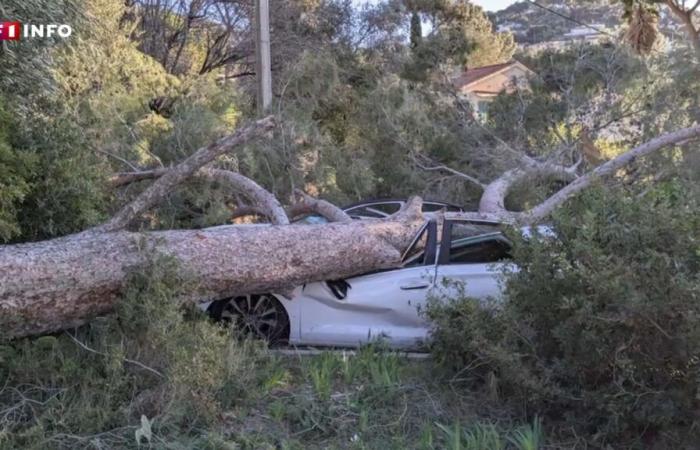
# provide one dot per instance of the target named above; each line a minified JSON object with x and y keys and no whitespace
{"x":476,"y":93}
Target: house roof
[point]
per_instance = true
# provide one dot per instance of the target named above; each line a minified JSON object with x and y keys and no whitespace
{"x":470,"y":76}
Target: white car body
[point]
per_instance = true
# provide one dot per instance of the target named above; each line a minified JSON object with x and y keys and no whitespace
{"x":386,"y":305}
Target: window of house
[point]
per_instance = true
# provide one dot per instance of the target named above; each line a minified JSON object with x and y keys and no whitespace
{"x":483,"y":107}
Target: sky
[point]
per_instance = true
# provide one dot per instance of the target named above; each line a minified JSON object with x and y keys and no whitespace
{"x":488,"y":5}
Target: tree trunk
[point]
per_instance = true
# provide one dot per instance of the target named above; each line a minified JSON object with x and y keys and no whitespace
{"x":685,"y":16}
{"x":61,"y":283}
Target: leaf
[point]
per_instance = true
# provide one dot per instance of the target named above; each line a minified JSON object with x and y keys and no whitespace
{"x":144,"y":431}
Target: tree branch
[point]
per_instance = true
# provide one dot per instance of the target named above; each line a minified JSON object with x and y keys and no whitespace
{"x":686,"y":19}
{"x":545,"y":208}
{"x":172,"y":177}
{"x":247,"y":210}
{"x":309,"y":205}
{"x":265,"y":203}
{"x":263,"y":199}
{"x":444,"y":168}
{"x":124,"y":178}
{"x":493,"y":199}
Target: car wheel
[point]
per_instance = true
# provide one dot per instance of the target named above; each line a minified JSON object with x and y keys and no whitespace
{"x":259,"y":316}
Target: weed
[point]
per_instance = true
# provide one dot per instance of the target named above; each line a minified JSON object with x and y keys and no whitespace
{"x":529,"y":437}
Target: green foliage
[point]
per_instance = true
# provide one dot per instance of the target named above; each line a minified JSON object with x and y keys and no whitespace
{"x":68,"y":187}
{"x":462,"y":35}
{"x":529,"y":437}
{"x":149,"y":370}
{"x":599,"y":326}
{"x":565,"y":86}
{"x":462,"y":329}
{"x":26,"y":67}
{"x":15,"y":172}
{"x":482,"y":436}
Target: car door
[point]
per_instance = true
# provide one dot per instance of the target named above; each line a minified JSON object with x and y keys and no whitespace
{"x":471,"y":260}
{"x":382,"y":304}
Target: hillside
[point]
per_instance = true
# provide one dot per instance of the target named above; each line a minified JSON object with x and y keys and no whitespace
{"x":567,"y":20}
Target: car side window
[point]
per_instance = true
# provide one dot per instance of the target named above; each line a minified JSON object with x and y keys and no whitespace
{"x":471,"y":243}
{"x":492,"y":250}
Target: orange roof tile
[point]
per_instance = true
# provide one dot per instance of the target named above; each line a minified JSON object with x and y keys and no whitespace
{"x":471,"y":75}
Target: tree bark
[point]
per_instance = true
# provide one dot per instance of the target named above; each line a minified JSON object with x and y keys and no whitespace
{"x":310,"y":205}
{"x":493,"y":198}
{"x":61,"y":283}
{"x":64,"y":282}
{"x":172,"y":177}
{"x":685,"y":16}
{"x":545,"y":208}
{"x":266,"y":204}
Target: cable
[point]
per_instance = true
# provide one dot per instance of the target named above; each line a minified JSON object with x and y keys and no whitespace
{"x":571,"y":19}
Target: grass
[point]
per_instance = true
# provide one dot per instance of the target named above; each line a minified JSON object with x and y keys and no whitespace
{"x":151,"y":376}
{"x":373,"y":399}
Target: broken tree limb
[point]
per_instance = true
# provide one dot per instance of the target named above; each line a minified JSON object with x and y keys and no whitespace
{"x":65,"y":282}
{"x":545,"y":208}
{"x":494,"y":196}
{"x":246,"y":210}
{"x":310,"y":205}
{"x":265,"y":203}
{"x":124,"y":178}
{"x":176,"y":175}
{"x":260,"y":196}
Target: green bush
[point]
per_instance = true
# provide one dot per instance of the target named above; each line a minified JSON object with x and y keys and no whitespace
{"x":154,"y":367}
{"x":601,"y":325}
{"x":16,"y":168}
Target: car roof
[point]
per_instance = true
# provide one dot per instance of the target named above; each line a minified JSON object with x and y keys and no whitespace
{"x":457,"y":216}
{"x":375,"y":201}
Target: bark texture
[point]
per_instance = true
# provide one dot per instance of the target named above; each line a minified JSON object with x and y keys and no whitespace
{"x":545,"y":208}
{"x":61,"y":283}
{"x":492,"y":203}
{"x":309,"y":205}
{"x":268,"y":203}
{"x":172,"y":177}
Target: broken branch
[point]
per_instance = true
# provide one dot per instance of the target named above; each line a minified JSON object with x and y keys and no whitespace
{"x":176,"y":175}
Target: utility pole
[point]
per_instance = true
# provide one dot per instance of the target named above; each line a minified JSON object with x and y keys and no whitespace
{"x":262,"y":54}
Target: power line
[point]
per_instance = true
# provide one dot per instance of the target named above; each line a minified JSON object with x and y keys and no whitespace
{"x":571,"y":19}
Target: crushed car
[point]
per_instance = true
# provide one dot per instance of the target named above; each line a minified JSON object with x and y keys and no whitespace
{"x":384,"y":304}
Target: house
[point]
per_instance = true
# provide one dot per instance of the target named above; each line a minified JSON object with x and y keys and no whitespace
{"x":479,"y":85}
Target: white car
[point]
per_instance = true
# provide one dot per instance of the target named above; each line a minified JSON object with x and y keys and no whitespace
{"x":379,"y":305}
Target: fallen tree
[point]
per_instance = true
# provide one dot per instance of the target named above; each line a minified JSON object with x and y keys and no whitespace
{"x":64,"y":282}
{"x":61,"y":283}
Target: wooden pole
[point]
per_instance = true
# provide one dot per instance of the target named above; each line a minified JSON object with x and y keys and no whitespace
{"x":262,"y":54}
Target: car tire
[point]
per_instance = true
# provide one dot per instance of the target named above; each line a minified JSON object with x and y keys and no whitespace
{"x":260,"y":316}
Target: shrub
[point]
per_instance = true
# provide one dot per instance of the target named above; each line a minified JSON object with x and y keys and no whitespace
{"x":154,"y":366}
{"x":600,"y":325}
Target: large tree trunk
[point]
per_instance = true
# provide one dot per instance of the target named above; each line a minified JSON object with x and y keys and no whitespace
{"x":56,"y":284}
